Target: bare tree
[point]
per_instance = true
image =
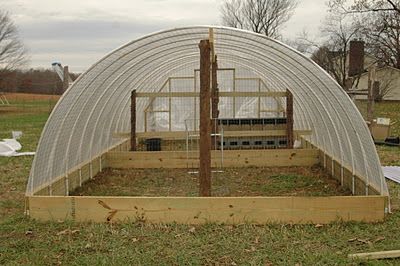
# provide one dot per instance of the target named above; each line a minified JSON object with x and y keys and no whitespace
{"x":12,"y":50}
{"x":338,"y":30}
{"x":386,"y":86}
{"x":381,"y":31}
{"x":261,"y":16}
{"x":363,"y":6}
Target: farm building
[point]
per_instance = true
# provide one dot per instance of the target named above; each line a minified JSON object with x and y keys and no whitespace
{"x":389,"y":83}
{"x":141,"y":106}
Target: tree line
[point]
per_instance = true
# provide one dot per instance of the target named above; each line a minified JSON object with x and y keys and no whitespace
{"x":38,"y":80}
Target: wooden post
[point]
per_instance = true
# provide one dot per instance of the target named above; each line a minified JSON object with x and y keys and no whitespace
{"x":215,"y":101}
{"x":66,"y":79}
{"x":289,"y":119}
{"x":133,"y":120}
{"x":205,"y":122}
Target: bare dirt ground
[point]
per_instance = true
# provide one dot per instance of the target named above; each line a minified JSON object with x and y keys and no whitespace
{"x":232,"y":182}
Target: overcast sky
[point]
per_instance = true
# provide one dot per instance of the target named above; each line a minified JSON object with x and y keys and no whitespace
{"x":79,"y":32}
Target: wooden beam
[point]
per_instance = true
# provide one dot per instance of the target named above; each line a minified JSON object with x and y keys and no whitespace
{"x":205,"y":122}
{"x":182,"y":77}
{"x":289,"y":119}
{"x":232,"y":158}
{"x":234,"y":91}
{"x":175,"y":135}
{"x":221,"y":94}
{"x":133,"y":120}
{"x":390,"y":254}
{"x":211,"y":41}
{"x":214,"y":101}
{"x":219,"y":69}
{"x":200,"y":210}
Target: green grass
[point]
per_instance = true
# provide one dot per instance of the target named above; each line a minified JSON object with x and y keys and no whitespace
{"x":27,"y":242}
{"x":384,"y":109}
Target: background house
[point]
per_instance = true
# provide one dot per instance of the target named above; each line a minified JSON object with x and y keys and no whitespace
{"x":387,"y":78}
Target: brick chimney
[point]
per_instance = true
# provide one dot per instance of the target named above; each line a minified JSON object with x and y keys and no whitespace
{"x":356,"y":58}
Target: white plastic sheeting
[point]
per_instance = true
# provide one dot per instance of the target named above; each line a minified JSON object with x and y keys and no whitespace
{"x":98,"y":104}
{"x":392,"y":173}
{"x":10,"y":148}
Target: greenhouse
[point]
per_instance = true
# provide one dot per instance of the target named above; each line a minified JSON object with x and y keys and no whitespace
{"x":271,"y":105}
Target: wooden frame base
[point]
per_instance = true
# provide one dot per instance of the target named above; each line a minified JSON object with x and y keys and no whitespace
{"x":194,"y":210}
{"x":199,"y":210}
{"x":231,"y":158}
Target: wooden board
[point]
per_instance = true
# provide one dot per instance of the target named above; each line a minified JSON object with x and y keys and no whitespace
{"x":240,"y":133}
{"x":197,"y":210}
{"x":389,"y":254}
{"x":232,"y":158}
{"x":221,"y":94}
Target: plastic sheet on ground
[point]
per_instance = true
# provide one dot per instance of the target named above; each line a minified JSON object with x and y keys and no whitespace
{"x":392,"y":173}
{"x":10,"y":148}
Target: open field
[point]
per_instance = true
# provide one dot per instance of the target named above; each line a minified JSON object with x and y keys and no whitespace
{"x":24,"y":241}
{"x":29,"y":103}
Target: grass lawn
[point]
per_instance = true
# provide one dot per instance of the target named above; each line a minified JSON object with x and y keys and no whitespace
{"x":27,"y":242}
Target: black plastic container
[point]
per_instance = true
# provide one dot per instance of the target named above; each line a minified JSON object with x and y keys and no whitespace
{"x":153,"y":144}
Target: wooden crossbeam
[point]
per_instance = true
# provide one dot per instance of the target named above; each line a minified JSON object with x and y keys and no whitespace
{"x":232,"y":158}
{"x":221,"y":94}
{"x":240,"y":133}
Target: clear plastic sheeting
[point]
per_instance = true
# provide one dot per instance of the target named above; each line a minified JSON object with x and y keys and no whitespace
{"x":98,"y":104}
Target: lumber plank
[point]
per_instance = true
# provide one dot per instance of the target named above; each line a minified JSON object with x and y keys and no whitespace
{"x":198,"y":210}
{"x":50,"y":208}
{"x":234,"y":133}
{"x":232,"y":158}
{"x":221,"y":94}
{"x":390,"y":254}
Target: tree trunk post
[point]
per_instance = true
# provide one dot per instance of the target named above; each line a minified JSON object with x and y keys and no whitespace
{"x":289,"y":119}
{"x":133,"y":120}
{"x":205,"y":121}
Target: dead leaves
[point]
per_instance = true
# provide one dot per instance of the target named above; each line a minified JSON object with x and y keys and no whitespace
{"x":68,"y":232}
{"x":252,"y":249}
{"x":366,"y":241}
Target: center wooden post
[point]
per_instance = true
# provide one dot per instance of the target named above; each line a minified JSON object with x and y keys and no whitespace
{"x":205,"y":121}
{"x":133,"y":120}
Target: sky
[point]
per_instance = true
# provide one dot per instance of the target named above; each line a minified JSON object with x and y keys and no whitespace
{"x":78,"y":33}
